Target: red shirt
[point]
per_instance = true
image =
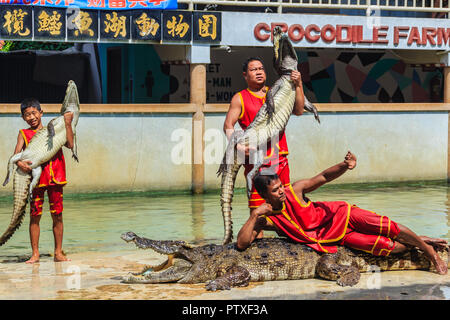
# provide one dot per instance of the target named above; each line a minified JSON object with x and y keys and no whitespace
{"x":251,"y":103}
{"x":319,"y":225}
{"x":54,"y":171}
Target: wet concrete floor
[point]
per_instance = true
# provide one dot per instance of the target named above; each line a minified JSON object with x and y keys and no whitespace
{"x":93,"y":276}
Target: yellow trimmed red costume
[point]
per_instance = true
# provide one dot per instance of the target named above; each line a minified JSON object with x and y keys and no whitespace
{"x":324,"y":225}
{"x":276,"y":158}
{"x":52,"y":180}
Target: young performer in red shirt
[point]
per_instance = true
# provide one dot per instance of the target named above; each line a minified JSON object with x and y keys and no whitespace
{"x":324,"y":225}
{"x":52,"y":179}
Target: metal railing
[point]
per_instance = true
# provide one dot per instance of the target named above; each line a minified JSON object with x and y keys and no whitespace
{"x":287,"y":5}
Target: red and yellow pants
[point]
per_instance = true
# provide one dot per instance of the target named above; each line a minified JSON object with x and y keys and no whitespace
{"x":370,"y":232}
{"x":55,"y":197}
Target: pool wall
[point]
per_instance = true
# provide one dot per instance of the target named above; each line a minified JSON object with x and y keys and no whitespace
{"x":145,"y":151}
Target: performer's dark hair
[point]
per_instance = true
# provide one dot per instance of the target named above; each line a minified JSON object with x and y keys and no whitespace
{"x":262,"y":180}
{"x":30,"y":102}
{"x":245,"y":64}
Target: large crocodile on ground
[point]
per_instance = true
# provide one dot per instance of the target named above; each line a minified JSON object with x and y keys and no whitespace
{"x":267,"y":125}
{"x":224,"y":266}
{"x":42,"y":147}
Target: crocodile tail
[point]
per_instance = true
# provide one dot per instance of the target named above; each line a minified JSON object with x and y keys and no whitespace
{"x":21,"y":183}
{"x":228,"y":169}
{"x":226,"y":198}
{"x":13,"y":226}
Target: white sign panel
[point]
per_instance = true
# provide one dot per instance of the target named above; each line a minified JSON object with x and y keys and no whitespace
{"x":336,"y":31}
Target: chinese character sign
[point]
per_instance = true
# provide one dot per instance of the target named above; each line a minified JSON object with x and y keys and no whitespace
{"x":114,"y":25}
{"x":49,"y":23}
{"x":146,"y":25}
{"x":82,"y":24}
{"x":207,"y":26}
{"x":177,"y":25}
{"x":16,"y":22}
{"x":99,"y":4}
{"x":75,"y":24}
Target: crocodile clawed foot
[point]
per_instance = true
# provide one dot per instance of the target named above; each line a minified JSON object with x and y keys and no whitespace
{"x":236,"y":276}
{"x":217,"y":284}
{"x":349,"y":277}
{"x":6,"y":180}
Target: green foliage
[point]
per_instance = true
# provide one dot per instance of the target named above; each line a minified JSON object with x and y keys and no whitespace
{"x":5,"y":46}
{"x":36,"y":45}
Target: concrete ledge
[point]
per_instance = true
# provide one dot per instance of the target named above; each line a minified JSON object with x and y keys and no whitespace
{"x":358,"y":107}
{"x":223,"y":107}
{"x":110,"y":108}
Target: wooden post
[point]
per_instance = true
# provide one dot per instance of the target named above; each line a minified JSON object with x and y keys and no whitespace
{"x":446,"y":85}
{"x":198,"y":97}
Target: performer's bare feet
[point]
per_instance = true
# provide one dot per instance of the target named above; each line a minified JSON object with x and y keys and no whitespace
{"x":60,"y":257}
{"x":406,"y":236}
{"x":34,"y":258}
{"x":441,"y":266}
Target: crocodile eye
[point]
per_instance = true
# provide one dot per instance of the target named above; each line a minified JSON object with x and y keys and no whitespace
{"x":130,"y":235}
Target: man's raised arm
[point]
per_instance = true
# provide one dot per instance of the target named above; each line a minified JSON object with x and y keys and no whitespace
{"x":299,"y":104}
{"x":325,"y":176}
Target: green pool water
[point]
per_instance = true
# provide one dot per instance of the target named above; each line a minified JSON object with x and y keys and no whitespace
{"x":95,"y":222}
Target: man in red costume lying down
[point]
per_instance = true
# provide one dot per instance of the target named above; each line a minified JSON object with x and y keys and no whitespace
{"x":324,"y":225}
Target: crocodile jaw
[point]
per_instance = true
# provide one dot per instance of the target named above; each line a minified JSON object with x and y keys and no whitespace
{"x":174,"y":269}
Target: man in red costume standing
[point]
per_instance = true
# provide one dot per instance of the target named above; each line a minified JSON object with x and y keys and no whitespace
{"x":324,"y":225}
{"x":243,"y":108}
{"x":52,"y":179}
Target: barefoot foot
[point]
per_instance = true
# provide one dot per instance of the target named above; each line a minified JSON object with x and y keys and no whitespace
{"x":33,"y":259}
{"x":60,"y":257}
{"x":441,"y":266}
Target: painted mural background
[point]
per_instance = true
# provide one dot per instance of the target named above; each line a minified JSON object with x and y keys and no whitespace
{"x":329,"y":76}
{"x":335,"y":76}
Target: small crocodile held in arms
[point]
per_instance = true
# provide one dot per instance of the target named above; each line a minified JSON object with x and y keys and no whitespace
{"x":267,"y":125}
{"x":42,"y":148}
{"x":224,"y":266}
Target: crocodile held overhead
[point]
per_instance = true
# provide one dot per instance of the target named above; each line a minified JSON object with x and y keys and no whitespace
{"x":268,"y":123}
